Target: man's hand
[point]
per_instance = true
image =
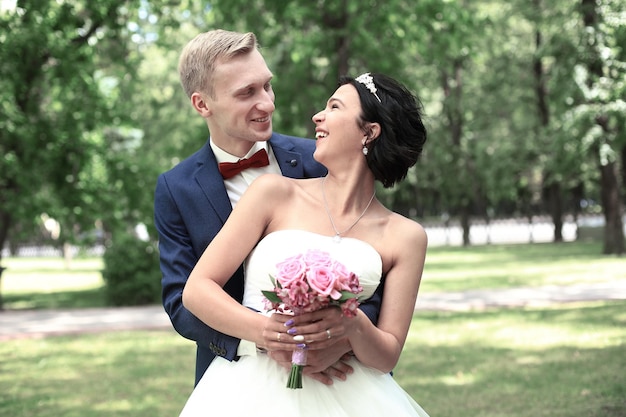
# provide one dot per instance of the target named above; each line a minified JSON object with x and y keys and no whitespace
{"x":338,"y":370}
{"x":323,"y":365}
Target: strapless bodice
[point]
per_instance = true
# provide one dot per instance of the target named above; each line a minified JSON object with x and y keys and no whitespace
{"x":358,"y":256}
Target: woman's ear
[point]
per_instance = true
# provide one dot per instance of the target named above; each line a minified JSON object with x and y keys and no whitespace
{"x":373,"y":131}
{"x":200,"y":104}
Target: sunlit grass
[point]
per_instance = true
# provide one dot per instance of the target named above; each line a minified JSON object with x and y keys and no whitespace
{"x":49,"y":283}
{"x":561,"y":361}
{"x":501,"y":266}
{"x":121,"y":374}
{"x":52,"y":283}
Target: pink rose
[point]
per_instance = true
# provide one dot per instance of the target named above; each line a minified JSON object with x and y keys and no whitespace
{"x":311,"y":281}
{"x":343,"y":279}
{"x":316,"y":257}
{"x":322,"y":280}
{"x":290,"y":270}
{"x":346,"y":280}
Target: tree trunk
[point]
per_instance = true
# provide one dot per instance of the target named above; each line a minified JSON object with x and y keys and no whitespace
{"x":613,"y":226}
{"x":1,"y":301}
{"x":623,"y":172}
{"x":609,"y":177}
{"x":577,"y":196}
{"x":555,"y":201}
{"x":337,"y":21}
{"x":453,"y":90}
{"x":5,"y":224}
{"x":554,"y":194}
{"x":465,"y":224}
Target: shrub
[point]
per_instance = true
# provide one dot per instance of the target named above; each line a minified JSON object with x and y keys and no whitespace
{"x":131,"y":272}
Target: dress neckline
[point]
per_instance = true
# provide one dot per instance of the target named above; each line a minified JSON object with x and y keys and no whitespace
{"x":326,"y":237}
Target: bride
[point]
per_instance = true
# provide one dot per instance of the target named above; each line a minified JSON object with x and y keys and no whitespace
{"x":371,"y":129}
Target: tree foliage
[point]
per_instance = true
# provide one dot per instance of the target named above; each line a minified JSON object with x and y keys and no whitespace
{"x":92,"y":109}
{"x":55,"y":108}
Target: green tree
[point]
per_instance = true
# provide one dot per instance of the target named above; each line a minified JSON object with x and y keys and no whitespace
{"x":601,"y":77}
{"x":64,"y":135}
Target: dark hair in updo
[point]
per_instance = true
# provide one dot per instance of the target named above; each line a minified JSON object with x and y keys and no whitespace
{"x":402,"y":135}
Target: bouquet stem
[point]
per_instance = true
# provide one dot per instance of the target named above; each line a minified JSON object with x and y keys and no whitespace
{"x":298,"y":361}
{"x":295,"y":377}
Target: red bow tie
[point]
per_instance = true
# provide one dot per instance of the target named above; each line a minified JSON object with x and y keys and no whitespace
{"x":230,"y":169}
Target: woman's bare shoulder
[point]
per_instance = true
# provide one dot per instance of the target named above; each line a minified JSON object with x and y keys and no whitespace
{"x":407,"y":231}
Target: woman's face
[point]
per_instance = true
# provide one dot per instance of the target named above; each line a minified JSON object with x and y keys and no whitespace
{"x":336,"y":127}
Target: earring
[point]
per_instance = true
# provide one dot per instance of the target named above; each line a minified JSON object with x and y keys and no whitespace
{"x":365,"y":150}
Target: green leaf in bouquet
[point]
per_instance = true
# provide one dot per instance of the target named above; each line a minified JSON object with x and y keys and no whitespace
{"x":346,"y":295}
{"x":271,"y":296}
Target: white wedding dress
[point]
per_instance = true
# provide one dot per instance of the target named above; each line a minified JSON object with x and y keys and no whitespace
{"x":255,"y":386}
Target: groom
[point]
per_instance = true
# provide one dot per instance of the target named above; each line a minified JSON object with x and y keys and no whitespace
{"x":229,"y":86}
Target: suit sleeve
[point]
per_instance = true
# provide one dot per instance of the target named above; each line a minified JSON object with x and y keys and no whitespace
{"x":371,"y":306}
{"x":177,"y":258}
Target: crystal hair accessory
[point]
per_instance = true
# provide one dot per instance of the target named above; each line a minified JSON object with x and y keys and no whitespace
{"x":367,"y":80}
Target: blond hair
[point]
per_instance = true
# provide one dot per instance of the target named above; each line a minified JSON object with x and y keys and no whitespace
{"x":199,"y":57}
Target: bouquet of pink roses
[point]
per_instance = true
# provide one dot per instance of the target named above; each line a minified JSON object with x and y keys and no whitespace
{"x":308,"y":282}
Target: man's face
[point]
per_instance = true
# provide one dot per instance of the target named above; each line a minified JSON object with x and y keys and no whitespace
{"x":242,"y":104}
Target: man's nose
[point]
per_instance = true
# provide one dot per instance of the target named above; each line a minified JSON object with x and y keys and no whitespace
{"x":267,"y":101}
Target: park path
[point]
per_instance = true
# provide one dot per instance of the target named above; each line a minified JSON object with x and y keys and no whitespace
{"x":17,"y":324}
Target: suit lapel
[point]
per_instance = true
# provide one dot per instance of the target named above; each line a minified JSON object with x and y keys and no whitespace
{"x":210,"y":181}
{"x":290,"y":162}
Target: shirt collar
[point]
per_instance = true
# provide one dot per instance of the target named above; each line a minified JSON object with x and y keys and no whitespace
{"x":223,"y":156}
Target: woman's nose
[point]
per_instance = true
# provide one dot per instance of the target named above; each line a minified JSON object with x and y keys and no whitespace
{"x":317,"y":117}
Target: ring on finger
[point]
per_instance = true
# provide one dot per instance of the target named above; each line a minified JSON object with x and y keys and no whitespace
{"x":278,"y":336}
{"x":328,"y":334}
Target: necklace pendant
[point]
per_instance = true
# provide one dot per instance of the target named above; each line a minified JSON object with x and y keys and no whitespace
{"x":337,"y":238}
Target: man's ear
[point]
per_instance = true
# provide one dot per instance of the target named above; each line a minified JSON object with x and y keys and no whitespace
{"x":200,"y":104}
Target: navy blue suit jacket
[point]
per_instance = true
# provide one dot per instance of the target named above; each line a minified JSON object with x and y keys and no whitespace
{"x":190,"y":207}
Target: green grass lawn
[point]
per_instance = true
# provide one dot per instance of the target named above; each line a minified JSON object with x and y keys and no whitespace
{"x":29,"y":283}
{"x":560,"y":361}
{"x":505,"y":266}
{"x":49,"y":283}
{"x":564,"y":361}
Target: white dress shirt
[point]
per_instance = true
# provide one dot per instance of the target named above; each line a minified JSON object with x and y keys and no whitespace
{"x":235,"y":187}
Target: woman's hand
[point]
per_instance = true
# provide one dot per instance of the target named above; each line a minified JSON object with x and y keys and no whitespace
{"x":276,"y":335}
{"x":323,"y":328}
{"x":327,"y":357}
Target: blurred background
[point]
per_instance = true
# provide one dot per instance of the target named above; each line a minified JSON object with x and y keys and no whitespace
{"x":521,"y":185}
{"x":524,"y":101}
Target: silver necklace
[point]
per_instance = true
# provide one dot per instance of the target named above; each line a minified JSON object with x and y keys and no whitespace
{"x":337,"y":237}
